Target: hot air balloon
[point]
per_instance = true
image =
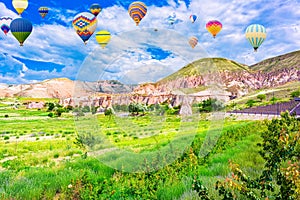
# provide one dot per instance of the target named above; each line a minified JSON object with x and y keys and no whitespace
{"x":256,"y":34}
{"x":85,"y":24}
{"x":103,"y":37}
{"x":5,"y":24}
{"x":172,"y":19}
{"x":214,"y":27}
{"x":193,"y":18}
{"x":21,"y":29}
{"x":43,"y":11}
{"x":193,"y":41}
{"x":95,"y":9}
{"x":20,"y":5}
{"x":137,"y":11}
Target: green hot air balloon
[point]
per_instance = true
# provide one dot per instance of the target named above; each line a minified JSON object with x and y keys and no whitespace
{"x":21,"y":28}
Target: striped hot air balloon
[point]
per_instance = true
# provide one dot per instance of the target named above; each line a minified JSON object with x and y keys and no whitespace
{"x":214,"y":27}
{"x":5,"y":24}
{"x":193,"y":18}
{"x":193,"y":41}
{"x":137,"y":11}
{"x":256,"y":35}
{"x":103,"y":37}
{"x":20,"y":5}
{"x":43,"y":11}
{"x":95,"y":9}
{"x":21,"y":28}
{"x":85,"y":24}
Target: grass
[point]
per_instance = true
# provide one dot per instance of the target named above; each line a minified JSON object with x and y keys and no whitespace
{"x":45,"y":168}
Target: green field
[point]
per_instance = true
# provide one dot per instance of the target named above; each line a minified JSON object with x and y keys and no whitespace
{"x":117,"y":157}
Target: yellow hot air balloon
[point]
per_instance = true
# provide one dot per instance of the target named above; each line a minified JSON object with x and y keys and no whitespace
{"x":103,"y":37}
{"x":20,"y":5}
{"x":214,"y":27}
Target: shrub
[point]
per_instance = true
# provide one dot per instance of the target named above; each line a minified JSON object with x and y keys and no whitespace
{"x":56,"y":155}
{"x":6,"y":138}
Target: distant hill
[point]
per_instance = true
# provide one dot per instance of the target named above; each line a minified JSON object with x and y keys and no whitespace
{"x":205,"y":65}
{"x":62,"y":88}
{"x":288,"y":60}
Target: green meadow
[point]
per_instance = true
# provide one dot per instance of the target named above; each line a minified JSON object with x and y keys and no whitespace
{"x":117,"y":157}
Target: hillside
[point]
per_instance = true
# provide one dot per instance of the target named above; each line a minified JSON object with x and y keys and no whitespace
{"x":237,"y":79}
{"x":289,"y":60}
{"x":204,"y":66}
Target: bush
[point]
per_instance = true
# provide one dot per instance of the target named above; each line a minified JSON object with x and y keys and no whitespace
{"x":6,"y":138}
{"x":56,"y":155}
{"x":50,"y":114}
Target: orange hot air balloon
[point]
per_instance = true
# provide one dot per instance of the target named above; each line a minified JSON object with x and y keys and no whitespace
{"x":214,"y":27}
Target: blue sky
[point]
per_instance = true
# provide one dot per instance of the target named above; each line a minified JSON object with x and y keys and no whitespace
{"x":54,"y":50}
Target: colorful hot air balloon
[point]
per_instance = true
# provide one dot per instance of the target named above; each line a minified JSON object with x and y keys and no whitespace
{"x":172,"y":19}
{"x":95,"y":9}
{"x":193,"y":41}
{"x":5,"y":24}
{"x":103,"y":37}
{"x":193,"y":18}
{"x":20,"y":5}
{"x":214,"y":27}
{"x":43,"y":11}
{"x":256,"y":34}
{"x":21,"y":29}
{"x":85,"y":25}
{"x":137,"y":11}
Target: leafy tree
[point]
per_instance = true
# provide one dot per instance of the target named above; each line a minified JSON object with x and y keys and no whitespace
{"x":136,"y":108}
{"x":86,"y":109}
{"x":295,"y":94}
{"x":210,"y":105}
{"x":250,"y":103}
{"x":51,"y":106}
{"x":108,"y":112}
{"x":261,"y":97}
{"x":59,"y":111}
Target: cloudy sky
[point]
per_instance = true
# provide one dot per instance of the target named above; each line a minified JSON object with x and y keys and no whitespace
{"x":146,"y":52}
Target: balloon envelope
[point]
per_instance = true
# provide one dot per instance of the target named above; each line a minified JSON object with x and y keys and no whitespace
{"x":20,"y":5}
{"x":214,"y":27}
{"x":103,"y":37}
{"x":43,"y":11}
{"x":193,"y":41}
{"x":21,"y":28}
{"x":5,"y":24}
{"x":193,"y":18}
{"x":85,"y":24}
{"x":137,"y":11}
{"x":95,"y":9}
{"x":256,"y":35}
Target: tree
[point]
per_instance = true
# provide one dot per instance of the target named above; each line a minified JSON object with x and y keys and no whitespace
{"x":108,"y":112}
{"x":51,"y":106}
{"x":210,"y":105}
{"x":261,"y":97}
{"x":295,"y":94}
{"x":136,"y":108}
{"x":250,"y":103}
